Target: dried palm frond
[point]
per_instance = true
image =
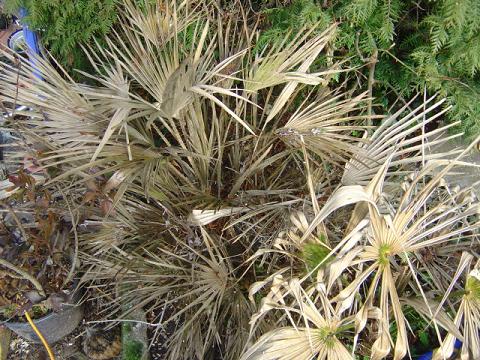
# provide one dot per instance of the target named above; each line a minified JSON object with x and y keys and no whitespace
{"x":314,"y":333}
{"x":326,"y":127}
{"x":405,"y":139}
{"x":415,"y":224}
{"x":289,"y":61}
{"x":417,"y":221}
{"x":467,"y":315}
{"x":201,"y":286}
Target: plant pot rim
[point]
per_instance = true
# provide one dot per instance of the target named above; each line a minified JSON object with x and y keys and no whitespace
{"x":54,"y":326}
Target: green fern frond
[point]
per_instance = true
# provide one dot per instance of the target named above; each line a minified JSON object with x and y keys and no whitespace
{"x":358,"y":11}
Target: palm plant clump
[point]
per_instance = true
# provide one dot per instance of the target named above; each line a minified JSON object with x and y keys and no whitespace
{"x":239,"y":191}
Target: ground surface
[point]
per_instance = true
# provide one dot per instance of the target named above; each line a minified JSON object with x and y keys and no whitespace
{"x":67,"y":349}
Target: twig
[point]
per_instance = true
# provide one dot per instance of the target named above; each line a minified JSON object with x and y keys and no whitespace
{"x":125,"y":320}
{"x":75,"y":234}
{"x":8,"y":273}
{"x":371,"y":81}
{"x":372,"y":62}
{"x":357,"y":36}
{"x":316,"y":207}
{"x":17,"y":220}
{"x":16,"y":89}
{"x":399,"y":96}
{"x":424,"y":120}
{"x":24,"y":274}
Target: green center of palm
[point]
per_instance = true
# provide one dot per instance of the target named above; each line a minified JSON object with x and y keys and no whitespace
{"x":327,"y":336}
{"x":472,"y":288}
{"x":314,"y":255}
{"x":384,"y":253}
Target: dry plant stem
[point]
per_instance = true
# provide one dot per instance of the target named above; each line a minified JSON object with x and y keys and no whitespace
{"x":315,"y":205}
{"x":16,"y":90}
{"x":398,"y":96}
{"x":424,"y":119}
{"x":17,"y":220}
{"x":75,"y":234}
{"x":372,"y":62}
{"x":39,"y":334}
{"x":24,"y":274}
{"x":371,"y":81}
{"x":8,"y":273}
{"x":126,"y":321}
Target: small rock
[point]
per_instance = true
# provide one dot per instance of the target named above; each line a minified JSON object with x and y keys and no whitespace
{"x":20,"y":348}
{"x":102,"y":344}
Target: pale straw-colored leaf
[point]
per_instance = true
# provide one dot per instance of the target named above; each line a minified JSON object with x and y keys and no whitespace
{"x":205,"y":217}
{"x":396,"y":138}
{"x":345,"y":195}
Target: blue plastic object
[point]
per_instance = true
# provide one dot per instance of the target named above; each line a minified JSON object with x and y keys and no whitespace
{"x":31,"y":37}
{"x":32,"y":41}
{"x":426,"y":356}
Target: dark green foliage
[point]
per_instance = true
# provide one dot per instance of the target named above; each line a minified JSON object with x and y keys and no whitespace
{"x":420,"y":44}
{"x":301,"y":13}
{"x":422,"y":332}
{"x":65,"y":25}
{"x":132,"y":349}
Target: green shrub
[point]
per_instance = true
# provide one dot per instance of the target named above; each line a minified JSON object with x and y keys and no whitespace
{"x":66,"y":25}
{"x":432,"y":44}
